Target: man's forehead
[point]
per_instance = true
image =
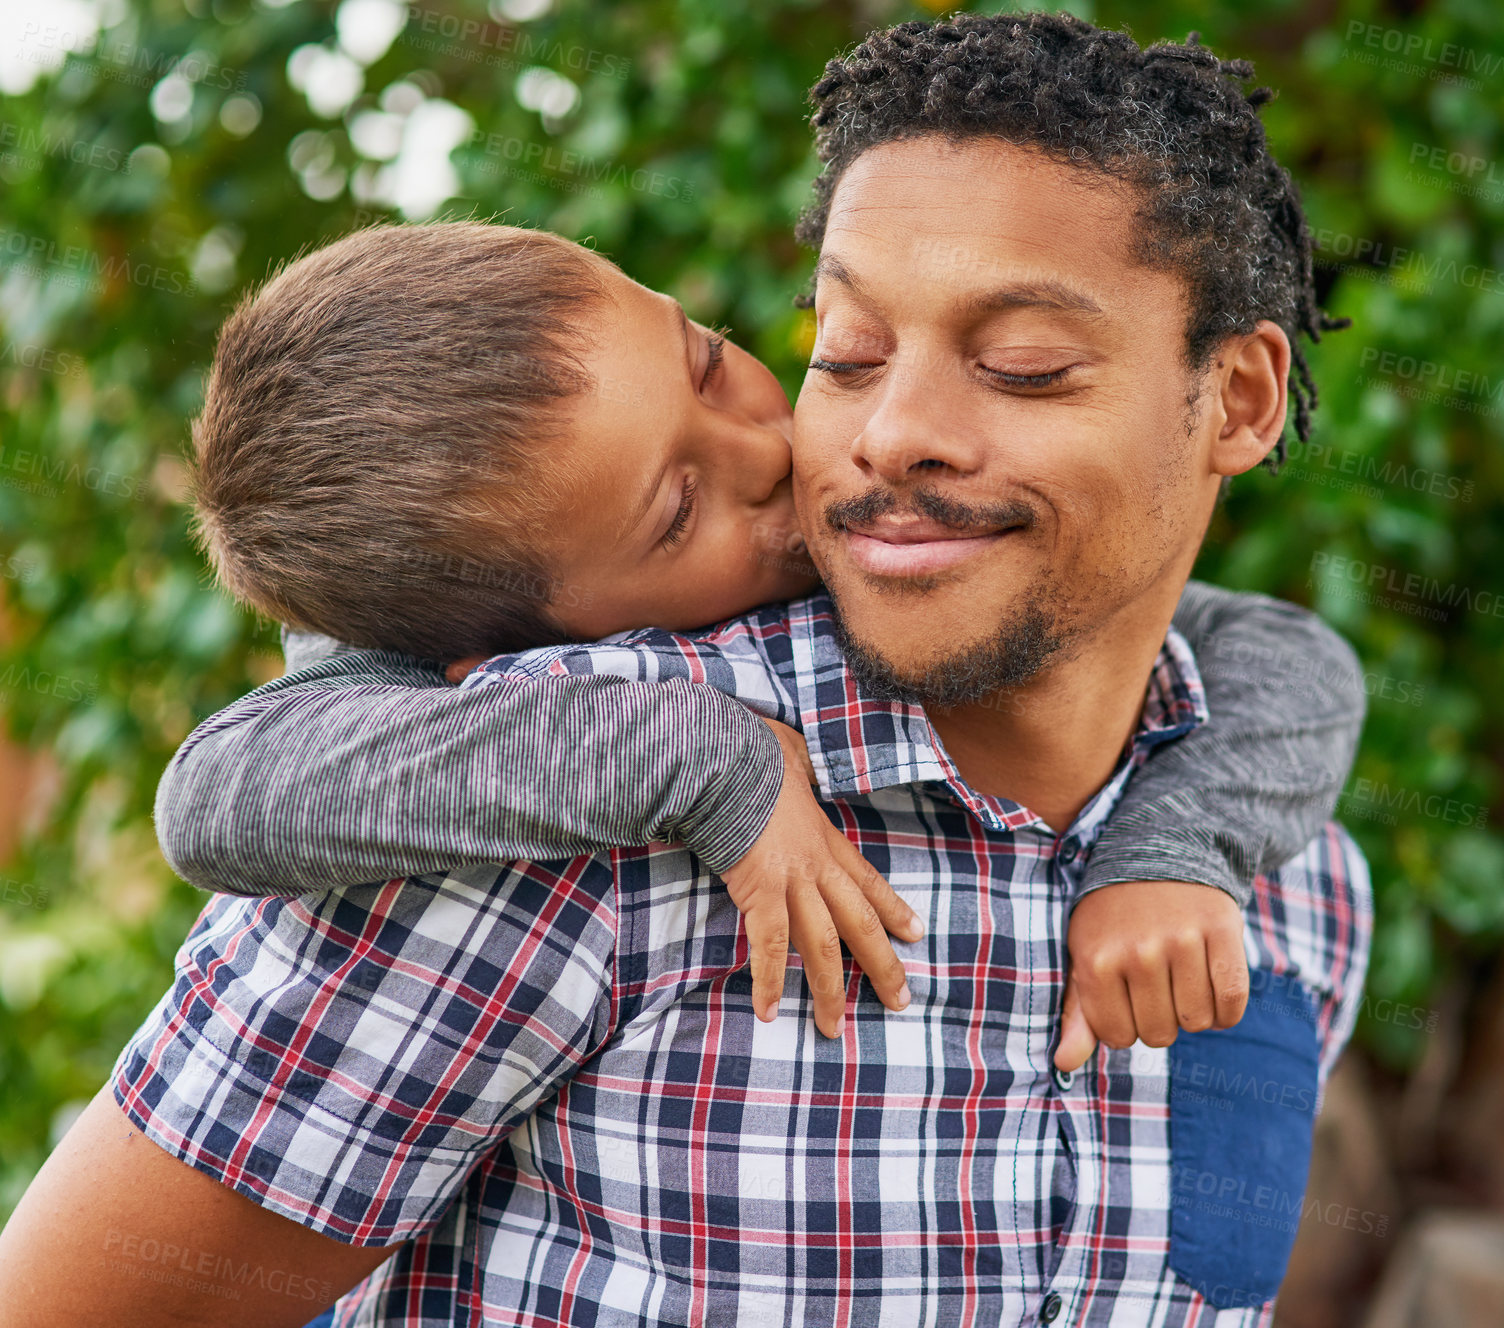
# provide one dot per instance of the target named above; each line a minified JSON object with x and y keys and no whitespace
{"x":981,"y":213}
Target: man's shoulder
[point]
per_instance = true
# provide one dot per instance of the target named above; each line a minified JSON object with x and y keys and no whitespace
{"x":459,"y":933}
{"x":1331,"y":860}
{"x":438,"y":910}
{"x":1315,"y":913}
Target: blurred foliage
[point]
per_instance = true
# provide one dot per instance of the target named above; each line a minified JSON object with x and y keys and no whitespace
{"x":152,"y":177}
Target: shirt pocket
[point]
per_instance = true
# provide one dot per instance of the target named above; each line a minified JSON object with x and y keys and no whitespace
{"x":1242,"y":1113}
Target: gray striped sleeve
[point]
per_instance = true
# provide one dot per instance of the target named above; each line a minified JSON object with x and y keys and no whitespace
{"x":365,"y":765}
{"x":1248,"y":790}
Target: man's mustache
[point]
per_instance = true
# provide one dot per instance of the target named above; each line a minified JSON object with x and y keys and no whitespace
{"x":880,"y":502}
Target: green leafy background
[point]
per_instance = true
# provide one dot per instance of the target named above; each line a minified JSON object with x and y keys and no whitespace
{"x":119,"y":259}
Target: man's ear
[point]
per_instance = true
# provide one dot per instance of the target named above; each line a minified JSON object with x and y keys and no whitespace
{"x":1250,"y":385}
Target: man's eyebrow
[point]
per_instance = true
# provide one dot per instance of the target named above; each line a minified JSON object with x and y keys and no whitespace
{"x":832,"y":269}
{"x":1047,"y":294}
{"x":1044,"y":294}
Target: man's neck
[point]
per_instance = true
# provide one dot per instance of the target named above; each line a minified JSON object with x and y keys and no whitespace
{"x":1052,"y":743}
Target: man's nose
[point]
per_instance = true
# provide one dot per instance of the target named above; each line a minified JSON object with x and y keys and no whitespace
{"x":917,"y":425}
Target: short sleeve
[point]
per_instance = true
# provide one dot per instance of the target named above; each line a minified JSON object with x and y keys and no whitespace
{"x":346,"y":1060}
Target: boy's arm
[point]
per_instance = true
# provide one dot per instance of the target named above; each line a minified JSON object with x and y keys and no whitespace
{"x":367,"y":765}
{"x":1241,"y":794}
{"x":1249,"y":789}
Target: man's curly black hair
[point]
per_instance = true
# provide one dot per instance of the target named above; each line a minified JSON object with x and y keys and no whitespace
{"x":1174,"y":120}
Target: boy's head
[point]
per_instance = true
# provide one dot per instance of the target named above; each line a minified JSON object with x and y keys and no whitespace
{"x":365,"y":419}
{"x":441,"y":439}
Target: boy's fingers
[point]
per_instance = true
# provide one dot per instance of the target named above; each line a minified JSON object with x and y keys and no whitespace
{"x":1228,"y":967}
{"x":862,"y":930}
{"x":1191,"y":983}
{"x":1105,"y":1006}
{"x":768,"y":939}
{"x":1153,"y":1004}
{"x":1077,"y":1041}
{"x":819,"y":946}
{"x":895,"y":915}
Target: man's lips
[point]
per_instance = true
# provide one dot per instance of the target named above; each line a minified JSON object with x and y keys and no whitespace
{"x":916,"y":548}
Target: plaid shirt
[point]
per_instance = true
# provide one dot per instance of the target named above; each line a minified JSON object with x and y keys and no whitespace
{"x":548,"y":1077}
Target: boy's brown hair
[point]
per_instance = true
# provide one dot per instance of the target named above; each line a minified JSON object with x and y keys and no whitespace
{"x":368,"y":462}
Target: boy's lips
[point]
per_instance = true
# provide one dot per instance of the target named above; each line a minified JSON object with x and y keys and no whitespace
{"x":917,"y":546}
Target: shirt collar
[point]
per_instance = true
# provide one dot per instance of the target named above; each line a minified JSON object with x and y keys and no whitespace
{"x":860,"y":745}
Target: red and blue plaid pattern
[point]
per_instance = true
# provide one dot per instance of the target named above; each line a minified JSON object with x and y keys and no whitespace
{"x":547,"y":1076}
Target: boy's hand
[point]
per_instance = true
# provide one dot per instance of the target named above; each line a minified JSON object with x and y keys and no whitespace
{"x":803,"y":878}
{"x":1149,"y":958}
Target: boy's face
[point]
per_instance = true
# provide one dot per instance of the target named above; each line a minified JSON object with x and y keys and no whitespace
{"x":683,"y":512}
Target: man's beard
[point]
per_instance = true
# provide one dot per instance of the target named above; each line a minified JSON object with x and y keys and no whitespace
{"x":1011,"y":656}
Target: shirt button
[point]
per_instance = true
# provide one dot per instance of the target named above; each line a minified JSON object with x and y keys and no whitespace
{"x":1050,"y":1310}
{"x":1063,"y":1081}
{"x":1068,"y":854}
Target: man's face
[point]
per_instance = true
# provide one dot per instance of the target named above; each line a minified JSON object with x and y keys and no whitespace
{"x":994,"y":450}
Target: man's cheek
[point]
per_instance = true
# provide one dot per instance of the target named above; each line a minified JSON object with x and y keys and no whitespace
{"x":824,"y":431}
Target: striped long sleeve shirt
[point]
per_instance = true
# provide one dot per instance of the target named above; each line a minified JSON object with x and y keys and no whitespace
{"x":360,"y":766}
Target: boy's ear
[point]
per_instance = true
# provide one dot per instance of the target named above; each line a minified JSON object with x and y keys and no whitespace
{"x":1250,"y":387}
